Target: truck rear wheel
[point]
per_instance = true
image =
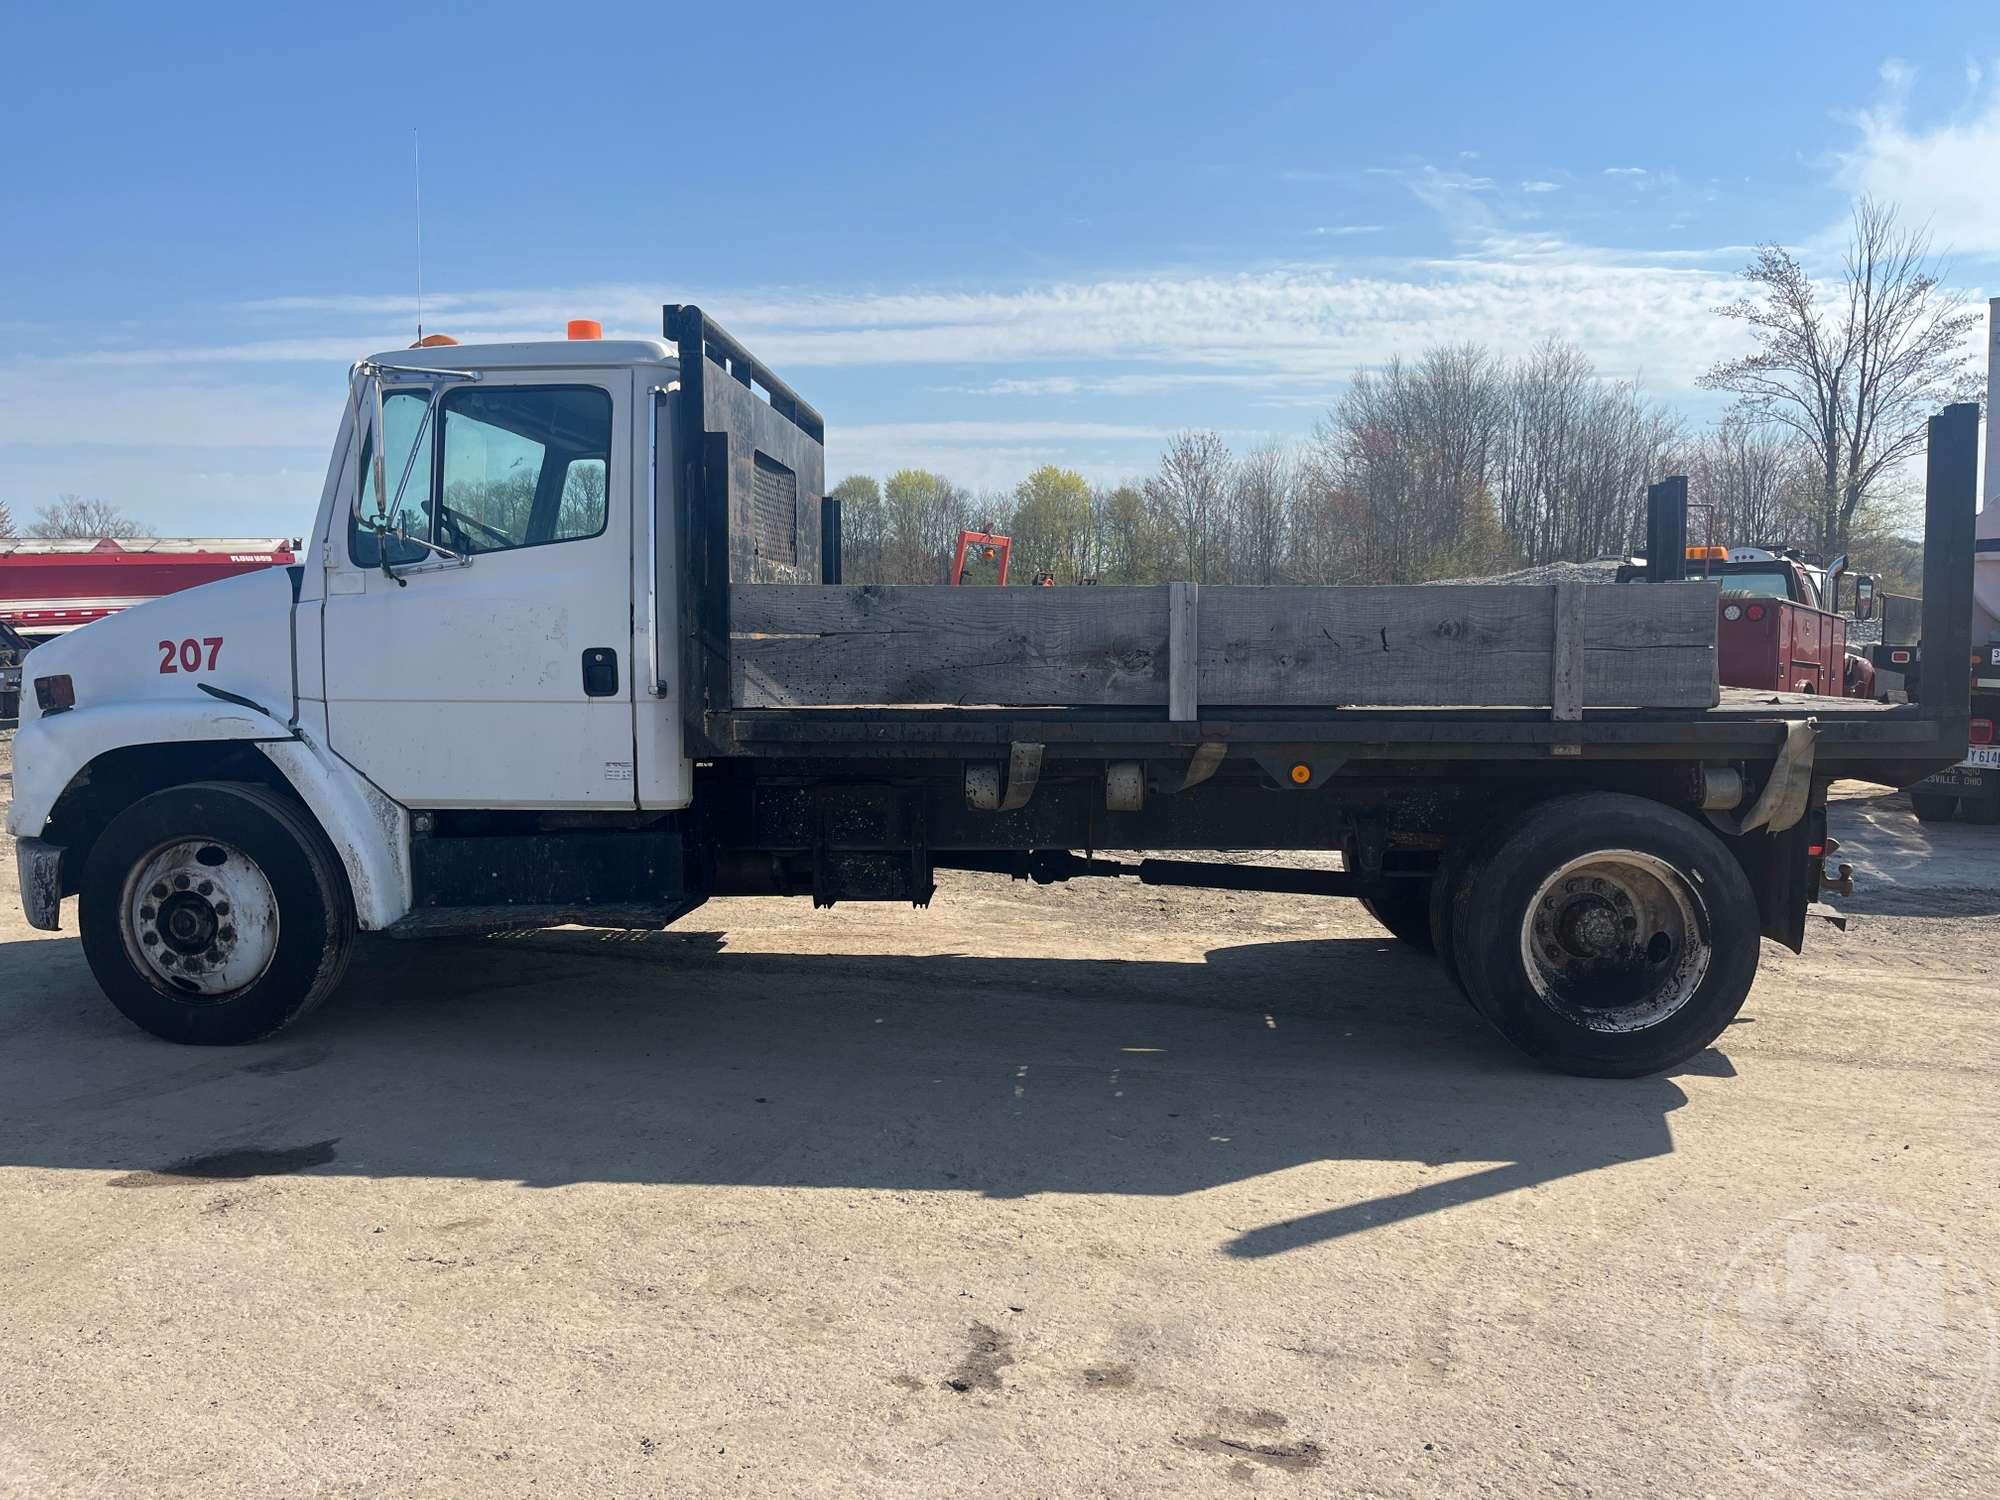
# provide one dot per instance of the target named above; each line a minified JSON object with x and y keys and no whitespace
{"x":1606,"y":935}
{"x":1932,"y":808}
{"x":1405,"y":909}
{"x":215,"y":913}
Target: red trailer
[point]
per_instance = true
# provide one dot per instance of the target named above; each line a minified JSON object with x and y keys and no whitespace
{"x":48,"y":587}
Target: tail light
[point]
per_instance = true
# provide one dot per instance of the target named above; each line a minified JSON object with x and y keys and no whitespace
{"x":54,"y":695}
{"x":1755,"y":612}
{"x":1900,"y":658}
{"x":1979,"y":732}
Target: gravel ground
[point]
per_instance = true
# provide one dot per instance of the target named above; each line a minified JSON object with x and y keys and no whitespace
{"x":1077,"y":1190}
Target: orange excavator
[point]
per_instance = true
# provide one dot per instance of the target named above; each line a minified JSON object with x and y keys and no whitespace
{"x":986,"y":545}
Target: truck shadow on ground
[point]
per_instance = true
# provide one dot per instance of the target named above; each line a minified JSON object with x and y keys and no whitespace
{"x":667,"y":1058}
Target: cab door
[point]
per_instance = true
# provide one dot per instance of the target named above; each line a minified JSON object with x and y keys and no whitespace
{"x":497,"y":676}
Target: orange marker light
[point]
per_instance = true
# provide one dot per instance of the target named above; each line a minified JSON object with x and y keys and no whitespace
{"x":1301,"y":774}
{"x":435,"y":341}
{"x":585,"y":328}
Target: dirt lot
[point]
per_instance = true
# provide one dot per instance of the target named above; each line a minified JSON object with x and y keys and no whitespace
{"x":1090,"y":1190}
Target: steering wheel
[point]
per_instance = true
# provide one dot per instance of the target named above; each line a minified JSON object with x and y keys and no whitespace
{"x":457,"y":521}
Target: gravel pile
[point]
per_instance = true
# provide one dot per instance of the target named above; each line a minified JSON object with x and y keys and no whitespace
{"x":1600,"y":570}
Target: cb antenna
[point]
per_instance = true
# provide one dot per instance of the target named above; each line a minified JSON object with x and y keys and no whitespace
{"x":417,"y":151}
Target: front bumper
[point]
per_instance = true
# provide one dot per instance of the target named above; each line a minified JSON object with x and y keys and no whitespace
{"x":40,"y":866}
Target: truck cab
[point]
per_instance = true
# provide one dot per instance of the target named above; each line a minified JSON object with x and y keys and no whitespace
{"x":472,"y":628}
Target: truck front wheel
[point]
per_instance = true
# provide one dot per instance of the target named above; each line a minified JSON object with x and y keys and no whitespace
{"x":215,"y":913}
{"x":1606,"y":935}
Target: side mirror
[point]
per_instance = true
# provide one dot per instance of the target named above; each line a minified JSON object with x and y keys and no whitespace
{"x":1864,"y":597}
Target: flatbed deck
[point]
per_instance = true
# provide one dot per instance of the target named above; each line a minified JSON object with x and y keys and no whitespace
{"x":1744,"y":722}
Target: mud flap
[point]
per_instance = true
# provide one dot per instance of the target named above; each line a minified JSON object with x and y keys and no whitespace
{"x":40,"y":866}
{"x":1784,"y":874}
{"x":1774,"y":839}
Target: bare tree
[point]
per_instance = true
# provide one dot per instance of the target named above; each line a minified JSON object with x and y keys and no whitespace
{"x":1411,"y":447}
{"x":1189,"y":497}
{"x":1756,"y":478}
{"x":1854,"y":371}
{"x":1262,"y":503}
{"x":73,"y":517}
{"x":6,"y":520}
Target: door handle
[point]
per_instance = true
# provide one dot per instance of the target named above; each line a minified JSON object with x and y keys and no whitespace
{"x":600,"y":672}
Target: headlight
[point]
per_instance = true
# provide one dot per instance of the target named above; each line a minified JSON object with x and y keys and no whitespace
{"x":54,"y":695}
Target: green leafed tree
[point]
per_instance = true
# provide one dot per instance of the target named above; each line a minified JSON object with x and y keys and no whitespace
{"x":860,"y":500}
{"x":1053,"y":527}
{"x":922,"y":515}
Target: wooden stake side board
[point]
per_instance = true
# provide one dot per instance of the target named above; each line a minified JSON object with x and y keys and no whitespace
{"x":1564,"y":647}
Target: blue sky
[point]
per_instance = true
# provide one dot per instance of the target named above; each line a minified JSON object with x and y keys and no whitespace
{"x":979,"y":238}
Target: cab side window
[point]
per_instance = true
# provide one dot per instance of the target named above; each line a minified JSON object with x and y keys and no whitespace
{"x":402,"y":415}
{"x":522,"y":466}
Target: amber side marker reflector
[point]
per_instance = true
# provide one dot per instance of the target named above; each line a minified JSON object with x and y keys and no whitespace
{"x":1302,"y":773}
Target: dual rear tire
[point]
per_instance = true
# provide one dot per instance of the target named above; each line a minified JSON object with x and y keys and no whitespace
{"x":1604,"y":935}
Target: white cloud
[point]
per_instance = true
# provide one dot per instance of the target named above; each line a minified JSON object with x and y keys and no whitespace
{"x":1343,"y":231}
{"x":1946,"y":173}
{"x":1000,"y":432}
{"x":1624,"y":171}
{"x":1540,"y":185}
{"x":1307,"y":321}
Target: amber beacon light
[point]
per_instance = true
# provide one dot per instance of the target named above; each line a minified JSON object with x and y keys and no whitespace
{"x":585,"y":328}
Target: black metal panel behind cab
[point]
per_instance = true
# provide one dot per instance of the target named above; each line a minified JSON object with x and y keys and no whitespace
{"x":752,"y":473}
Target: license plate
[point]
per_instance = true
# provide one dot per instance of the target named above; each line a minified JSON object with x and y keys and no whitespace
{"x":1987,"y":756}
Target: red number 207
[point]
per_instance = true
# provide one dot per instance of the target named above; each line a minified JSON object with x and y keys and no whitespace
{"x":185,"y":656}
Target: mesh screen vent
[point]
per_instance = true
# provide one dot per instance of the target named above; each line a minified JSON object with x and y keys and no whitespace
{"x":774,"y":508}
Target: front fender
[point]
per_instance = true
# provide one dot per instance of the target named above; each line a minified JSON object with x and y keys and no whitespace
{"x":51,"y":750}
{"x":370,"y":833}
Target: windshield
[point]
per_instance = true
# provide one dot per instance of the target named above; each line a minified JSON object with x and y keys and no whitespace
{"x":1773,"y":585}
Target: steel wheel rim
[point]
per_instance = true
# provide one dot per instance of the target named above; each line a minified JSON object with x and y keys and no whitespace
{"x":199,"y":919}
{"x":1616,"y":940}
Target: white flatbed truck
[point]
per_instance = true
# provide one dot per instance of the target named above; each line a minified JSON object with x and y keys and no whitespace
{"x":569,"y":644}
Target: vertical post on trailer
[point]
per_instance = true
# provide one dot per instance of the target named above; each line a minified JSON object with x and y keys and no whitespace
{"x":1667,"y":530}
{"x":1950,"y":505}
{"x":829,"y":540}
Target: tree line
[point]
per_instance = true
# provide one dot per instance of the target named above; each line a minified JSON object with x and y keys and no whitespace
{"x":1463,"y":462}
{"x":73,"y":517}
